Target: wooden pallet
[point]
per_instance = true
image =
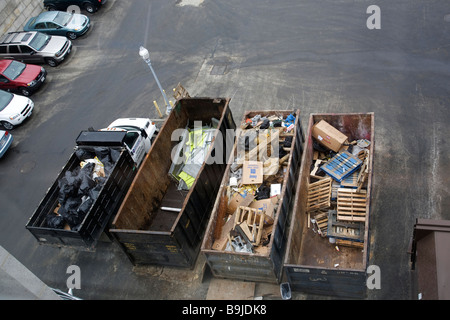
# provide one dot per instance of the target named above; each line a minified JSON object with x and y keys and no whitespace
{"x":341,"y":165}
{"x":351,"y":181}
{"x":319,"y":195}
{"x":351,"y":205}
{"x":251,"y":221}
{"x":345,"y":230}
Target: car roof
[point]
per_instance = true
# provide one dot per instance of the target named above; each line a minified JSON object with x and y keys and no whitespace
{"x":4,"y":64}
{"x":17,"y":37}
{"x":46,"y":16}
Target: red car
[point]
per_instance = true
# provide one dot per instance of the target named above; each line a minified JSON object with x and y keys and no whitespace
{"x":20,"y":77}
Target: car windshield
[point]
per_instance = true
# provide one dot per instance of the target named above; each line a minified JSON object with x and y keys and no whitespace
{"x":62,"y":18}
{"x":14,"y":70}
{"x":5,"y":99}
{"x":39,"y":41}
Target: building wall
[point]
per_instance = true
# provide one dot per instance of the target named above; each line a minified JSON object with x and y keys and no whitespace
{"x":15,"y":13}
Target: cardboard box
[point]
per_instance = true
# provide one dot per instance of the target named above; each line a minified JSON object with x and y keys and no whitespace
{"x":328,"y":136}
{"x":252,"y":172}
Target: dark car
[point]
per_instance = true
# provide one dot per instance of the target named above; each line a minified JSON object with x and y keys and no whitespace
{"x":59,"y":23}
{"x":90,"y":6}
{"x":20,"y":77}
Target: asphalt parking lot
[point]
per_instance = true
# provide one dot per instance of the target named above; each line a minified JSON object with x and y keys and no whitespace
{"x":317,"y":57}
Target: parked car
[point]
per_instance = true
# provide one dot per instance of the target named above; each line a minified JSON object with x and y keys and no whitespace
{"x":59,"y":23}
{"x":6,"y":138}
{"x":14,"y":109}
{"x":20,"y":77}
{"x":34,"y":47}
{"x":90,"y":6}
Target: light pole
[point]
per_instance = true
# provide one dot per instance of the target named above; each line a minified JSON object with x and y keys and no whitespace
{"x":146,"y":56}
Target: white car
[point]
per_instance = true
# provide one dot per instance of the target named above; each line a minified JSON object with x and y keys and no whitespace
{"x":14,"y":109}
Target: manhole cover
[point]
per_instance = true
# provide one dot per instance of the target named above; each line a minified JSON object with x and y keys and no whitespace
{"x":218,"y":70}
{"x":447,"y":18}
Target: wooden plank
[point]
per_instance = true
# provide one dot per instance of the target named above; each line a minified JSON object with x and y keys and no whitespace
{"x":349,"y":243}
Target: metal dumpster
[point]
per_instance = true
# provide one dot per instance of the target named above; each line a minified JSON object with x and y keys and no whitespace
{"x":265,"y":266}
{"x":312,"y":264}
{"x":147,"y":233}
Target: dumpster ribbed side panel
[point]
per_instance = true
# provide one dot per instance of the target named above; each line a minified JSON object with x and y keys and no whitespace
{"x":339,"y":283}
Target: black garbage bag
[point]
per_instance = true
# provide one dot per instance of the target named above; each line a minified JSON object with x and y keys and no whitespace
{"x":83,"y":154}
{"x":55,"y":221}
{"x":94,"y":192}
{"x":69,"y":184}
{"x":287,"y":142}
{"x":277,"y":123}
{"x":102,"y":154}
{"x":265,"y":124}
{"x":319,"y":147}
{"x":281,"y":151}
{"x":114,"y":155}
{"x":86,"y":181}
{"x":263,"y":192}
{"x":84,"y":207}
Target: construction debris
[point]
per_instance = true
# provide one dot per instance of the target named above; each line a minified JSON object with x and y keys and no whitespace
{"x":255,"y":185}
{"x":337,"y":192}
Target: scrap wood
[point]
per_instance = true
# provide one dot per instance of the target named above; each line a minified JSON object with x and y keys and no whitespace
{"x":319,"y":195}
{"x":351,"y":205}
{"x":321,"y":221}
{"x":261,"y":148}
{"x":363,"y":174}
{"x":222,"y":212}
{"x":349,"y":243}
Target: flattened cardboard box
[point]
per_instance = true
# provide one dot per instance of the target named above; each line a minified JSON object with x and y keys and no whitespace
{"x":328,"y":136}
{"x":252,"y":172}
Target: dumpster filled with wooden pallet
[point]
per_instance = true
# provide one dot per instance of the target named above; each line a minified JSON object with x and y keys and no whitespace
{"x":328,"y":243}
{"x":247,"y":233}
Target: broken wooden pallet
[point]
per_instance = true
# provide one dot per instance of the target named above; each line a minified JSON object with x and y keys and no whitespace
{"x":341,"y":165}
{"x":321,"y":221}
{"x":252,"y":220}
{"x":351,"y":205}
{"x":345,"y":230}
{"x":319,"y":195}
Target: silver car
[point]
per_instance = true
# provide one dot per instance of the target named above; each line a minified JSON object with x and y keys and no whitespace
{"x":34,"y":47}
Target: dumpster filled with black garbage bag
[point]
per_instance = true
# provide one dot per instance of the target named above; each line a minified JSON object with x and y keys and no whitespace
{"x":87,"y":192}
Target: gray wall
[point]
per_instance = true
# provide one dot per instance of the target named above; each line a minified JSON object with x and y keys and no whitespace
{"x":15,"y":13}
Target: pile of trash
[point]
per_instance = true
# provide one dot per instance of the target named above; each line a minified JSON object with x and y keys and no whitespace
{"x":80,"y":187}
{"x":337,"y":191}
{"x":247,"y":210}
{"x":190,"y":154}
